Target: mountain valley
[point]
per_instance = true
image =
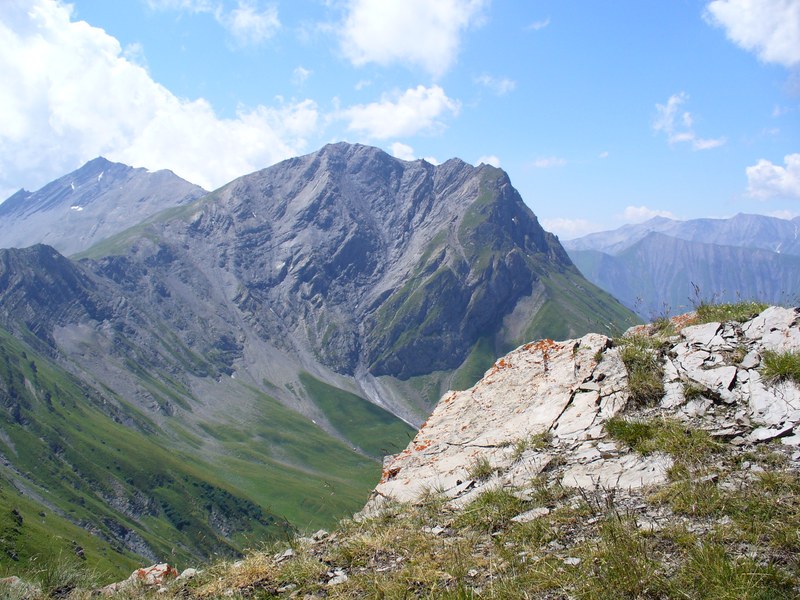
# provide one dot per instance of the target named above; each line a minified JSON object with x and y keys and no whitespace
{"x":267,"y":344}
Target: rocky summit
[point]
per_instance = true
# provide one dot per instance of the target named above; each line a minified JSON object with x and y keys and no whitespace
{"x":88,"y":205}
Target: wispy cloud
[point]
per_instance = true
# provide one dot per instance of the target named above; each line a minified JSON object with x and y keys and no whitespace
{"x":549,"y":162}
{"x":767,"y":180}
{"x":247,"y":24}
{"x":637,"y":214}
{"x":537,"y":25}
{"x":499,"y":86}
{"x":300,"y":75}
{"x":490,"y":159}
{"x":678,"y":125}
{"x":568,"y":229}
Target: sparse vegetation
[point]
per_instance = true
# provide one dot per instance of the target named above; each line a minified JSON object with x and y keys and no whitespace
{"x":663,"y":435}
{"x":641,"y":355}
{"x":480,"y":468}
{"x":537,"y":441}
{"x":738,"y":311}
{"x":781,"y":366}
{"x":491,"y":510}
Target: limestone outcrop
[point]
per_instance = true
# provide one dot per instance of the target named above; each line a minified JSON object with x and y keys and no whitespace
{"x":543,"y":408}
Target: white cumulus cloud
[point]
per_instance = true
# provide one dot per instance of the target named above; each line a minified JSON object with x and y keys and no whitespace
{"x":678,"y":125}
{"x":637,"y":214}
{"x":490,"y":159}
{"x":69,"y":94}
{"x":770,"y":28}
{"x":768,"y":180}
{"x":416,"y":110}
{"x":415,"y":32}
{"x":402,"y":151}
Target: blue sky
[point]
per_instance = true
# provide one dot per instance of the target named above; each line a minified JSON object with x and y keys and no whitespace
{"x":602,"y":113}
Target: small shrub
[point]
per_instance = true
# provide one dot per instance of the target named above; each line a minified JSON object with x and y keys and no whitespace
{"x":780,"y":366}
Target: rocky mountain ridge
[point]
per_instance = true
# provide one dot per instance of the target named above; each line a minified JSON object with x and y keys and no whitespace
{"x":742,"y":231}
{"x":98,"y":200}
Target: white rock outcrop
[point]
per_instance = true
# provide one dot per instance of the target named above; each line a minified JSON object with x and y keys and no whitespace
{"x":564,"y":393}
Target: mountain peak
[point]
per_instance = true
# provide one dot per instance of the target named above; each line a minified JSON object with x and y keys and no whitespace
{"x":97,"y":200}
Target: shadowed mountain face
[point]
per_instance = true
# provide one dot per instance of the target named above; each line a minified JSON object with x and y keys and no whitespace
{"x":663,"y":267}
{"x":275,"y":329}
{"x":98,"y":200}
{"x":366,"y":264}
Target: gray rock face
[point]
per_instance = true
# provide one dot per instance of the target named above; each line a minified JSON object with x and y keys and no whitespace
{"x":96,"y":201}
{"x":353,"y":250}
{"x":351,"y":260}
{"x":544,"y":406}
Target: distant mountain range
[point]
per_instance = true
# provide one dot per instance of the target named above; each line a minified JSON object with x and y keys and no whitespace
{"x":664,"y":266}
{"x":238,"y":364}
{"x":98,"y":200}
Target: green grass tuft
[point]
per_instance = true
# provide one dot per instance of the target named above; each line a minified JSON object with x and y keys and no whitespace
{"x":719,"y":313}
{"x":781,"y":366}
{"x":480,"y":468}
{"x":663,"y":435}
{"x":641,"y":356}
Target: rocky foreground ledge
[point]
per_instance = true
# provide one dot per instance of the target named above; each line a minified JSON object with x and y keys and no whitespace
{"x":663,"y":464}
{"x":565,"y":393}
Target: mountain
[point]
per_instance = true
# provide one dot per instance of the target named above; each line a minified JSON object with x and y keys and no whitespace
{"x":747,"y":231}
{"x":98,"y":200}
{"x":281,"y":334}
{"x":663,"y":267}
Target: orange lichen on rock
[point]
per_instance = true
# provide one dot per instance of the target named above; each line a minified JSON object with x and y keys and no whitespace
{"x":389,"y":474}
